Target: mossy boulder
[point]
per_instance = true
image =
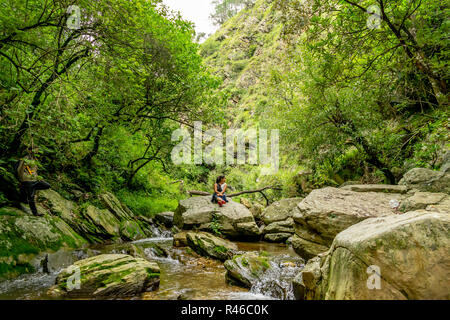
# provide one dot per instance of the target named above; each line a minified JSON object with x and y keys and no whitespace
{"x":107,"y":276}
{"x":23,"y":237}
{"x":118,"y":209}
{"x":211,"y":246}
{"x":426,"y":200}
{"x":387,"y":188}
{"x":407,"y":253}
{"x":254,"y":207}
{"x":104,"y":220}
{"x":131,"y":230}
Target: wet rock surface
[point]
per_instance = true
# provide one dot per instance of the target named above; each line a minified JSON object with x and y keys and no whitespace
{"x":264,"y":273}
{"x":107,"y":275}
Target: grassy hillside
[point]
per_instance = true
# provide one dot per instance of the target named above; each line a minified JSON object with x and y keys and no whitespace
{"x":243,"y":52}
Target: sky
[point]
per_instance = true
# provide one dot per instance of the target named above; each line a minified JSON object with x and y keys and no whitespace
{"x":197,"y":11}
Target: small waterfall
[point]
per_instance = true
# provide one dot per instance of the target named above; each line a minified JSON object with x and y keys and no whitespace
{"x":153,"y":254}
{"x":276,"y":281}
{"x":160,"y":234}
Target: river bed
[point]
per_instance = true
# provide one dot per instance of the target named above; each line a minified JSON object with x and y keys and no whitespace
{"x":184,"y":274}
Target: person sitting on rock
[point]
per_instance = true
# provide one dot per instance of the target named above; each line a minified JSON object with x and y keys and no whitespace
{"x":219,"y":195}
{"x":29,"y":179}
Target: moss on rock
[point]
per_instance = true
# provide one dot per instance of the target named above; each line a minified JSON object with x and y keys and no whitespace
{"x":108,"y":275}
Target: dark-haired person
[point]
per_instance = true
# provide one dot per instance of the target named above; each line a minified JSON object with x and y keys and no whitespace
{"x":29,"y":179}
{"x":219,"y":195}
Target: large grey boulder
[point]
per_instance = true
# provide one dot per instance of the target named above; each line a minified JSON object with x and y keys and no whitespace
{"x":107,"y":276}
{"x":231,"y":220}
{"x":426,"y":200}
{"x":393,"y":257}
{"x":427,"y":180}
{"x":326,"y":212}
{"x":278,"y":219}
{"x":280,"y":210}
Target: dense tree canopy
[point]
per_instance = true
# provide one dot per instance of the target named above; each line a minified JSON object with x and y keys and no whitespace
{"x":128,"y":68}
{"x":369,"y":89}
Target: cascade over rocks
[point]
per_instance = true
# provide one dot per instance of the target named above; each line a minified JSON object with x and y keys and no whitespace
{"x":263,"y":272}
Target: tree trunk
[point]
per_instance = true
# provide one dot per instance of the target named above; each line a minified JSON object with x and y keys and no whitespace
{"x":88,"y":158}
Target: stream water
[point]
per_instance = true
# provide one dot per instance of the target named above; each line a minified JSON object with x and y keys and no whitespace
{"x":184,"y":274}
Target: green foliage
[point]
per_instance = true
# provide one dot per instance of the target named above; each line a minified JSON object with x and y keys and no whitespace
{"x":357,"y":104}
{"x":148,"y":205}
{"x":102,"y":101}
{"x":215,"y":225}
{"x":220,"y":249}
